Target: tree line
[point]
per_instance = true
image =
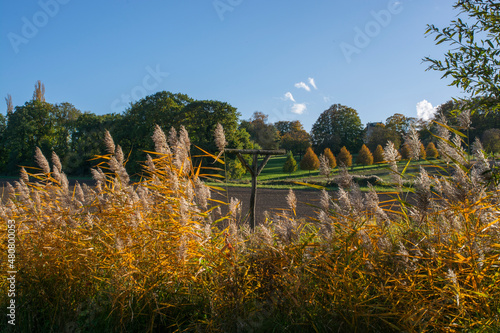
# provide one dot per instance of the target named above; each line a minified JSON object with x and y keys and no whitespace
{"x":77,"y":137}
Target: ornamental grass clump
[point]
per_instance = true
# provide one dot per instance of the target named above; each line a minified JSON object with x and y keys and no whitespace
{"x":156,"y":255}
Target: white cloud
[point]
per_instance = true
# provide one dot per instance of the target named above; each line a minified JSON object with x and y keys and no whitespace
{"x":312,"y":83}
{"x":425,"y":110}
{"x":289,"y":96}
{"x":302,"y":85}
{"x":299,"y":108}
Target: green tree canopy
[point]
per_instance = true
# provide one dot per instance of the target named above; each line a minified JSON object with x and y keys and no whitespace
{"x":293,"y":137}
{"x":261,"y":132}
{"x":28,"y":127}
{"x":473,"y":62}
{"x":379,"y":134}
{"x":336,"y":127}
{"x":491,"y":140}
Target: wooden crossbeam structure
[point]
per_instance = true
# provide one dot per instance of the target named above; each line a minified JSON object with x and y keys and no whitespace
{"x":255,"y":170}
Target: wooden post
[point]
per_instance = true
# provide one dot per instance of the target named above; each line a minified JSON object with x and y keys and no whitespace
{"x":255,"y":169}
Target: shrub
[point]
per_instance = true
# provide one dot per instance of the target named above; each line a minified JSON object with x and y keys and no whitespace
{"x":364,"y":157}
{"x":235,"y":169}
{"x":431,"y":150}
{"x":310,"y":161}
{"x":331,"y":159}
{"x":345,"y":157}
{"x":378,"y":155}
{"x":290,"y":165}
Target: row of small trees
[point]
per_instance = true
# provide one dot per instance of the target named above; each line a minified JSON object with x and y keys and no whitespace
{"x":327,"y":161}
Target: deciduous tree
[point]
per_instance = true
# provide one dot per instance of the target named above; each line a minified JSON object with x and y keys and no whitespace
{"x":473,"y":62}
{"x":336,"y":127}
{"x":261,"y":132}
{"x":491,"y":140}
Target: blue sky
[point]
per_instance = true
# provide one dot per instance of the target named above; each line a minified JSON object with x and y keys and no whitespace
{"x":289,"y":59}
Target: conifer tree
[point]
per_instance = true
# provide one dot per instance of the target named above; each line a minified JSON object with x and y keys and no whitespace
{"x":310,"y":161}
{"x":345,"y":157}
{"x":365,"y":156}
{"x":423,"y":153}
{"x":405,"y":152}
{"x":378,"y":155}
{"x":290,"y":165}
{"x":331,"y":159}
{"x":431,"y":151}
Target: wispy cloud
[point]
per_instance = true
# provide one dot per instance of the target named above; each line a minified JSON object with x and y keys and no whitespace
{"x":302,"y":85}
{"x":299,"y":108}
{"x":425,"y":110}
{"x":312,"y":83}
{"x":289,"y":96}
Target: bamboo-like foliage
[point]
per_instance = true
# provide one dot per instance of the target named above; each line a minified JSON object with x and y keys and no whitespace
{"x":156,"y":256}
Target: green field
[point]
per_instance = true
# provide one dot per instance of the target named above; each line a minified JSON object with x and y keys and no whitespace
{"x":272,"y":176}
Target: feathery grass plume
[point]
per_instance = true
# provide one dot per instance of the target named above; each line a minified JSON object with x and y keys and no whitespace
{"x":234,"y":208}
{"x":98,"y":175}
{"x":464,"y":119}
{"x":119,"y":155}
{"x":344,"y":179}
{"x":413,"y":142}
{"x":291,"y":200}
{"x":109,"y":143}
{"x":391,"y":156}
{"x":457,"y":152}
{"x":181,"y":151}
{"x":172,"y":137}
{"x":220,"y":137}
{"x":423,"y":194}
{"x":150,"y":164}
{"x":24,"y":175}
{"x":202,"y":194}
{"x":324,"y":165}
{"x":56,"y":175}
{"x":184,"y":139}
{"x":56,"y":162}
{"x":119,"y":170}
{"x":444,"y":135}
{"x":79,"y":195}
{"x":41,"y":161}
{"x":481,"y":165}
{"x":325,"y":200}
{"x":372,"y":204}
{"x":160,"y":141}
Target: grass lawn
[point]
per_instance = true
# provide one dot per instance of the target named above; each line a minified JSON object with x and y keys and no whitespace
{"x":272,"y":176}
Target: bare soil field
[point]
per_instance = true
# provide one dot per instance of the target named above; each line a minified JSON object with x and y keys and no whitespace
{"x":274,"y":201}
{"x":270,"y":200}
